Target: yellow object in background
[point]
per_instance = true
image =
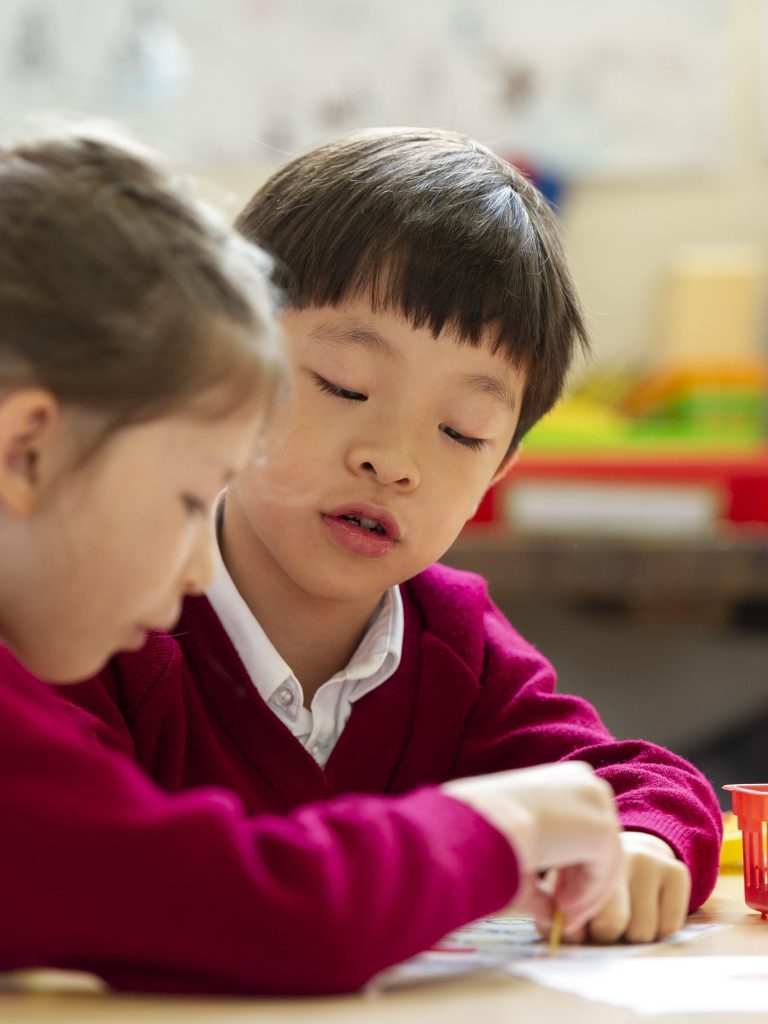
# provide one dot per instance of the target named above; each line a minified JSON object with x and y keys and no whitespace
{"x":713,"y":309}
{"x":731,"y":854}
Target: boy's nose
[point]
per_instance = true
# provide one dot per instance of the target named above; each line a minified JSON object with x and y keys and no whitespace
{"x":388,"y":466}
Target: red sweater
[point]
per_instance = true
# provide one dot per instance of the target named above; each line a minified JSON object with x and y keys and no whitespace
{"x":102,"y":870}
{"x":470,"y":696}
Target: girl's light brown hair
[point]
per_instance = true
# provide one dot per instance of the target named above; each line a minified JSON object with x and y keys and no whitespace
{"x":434,"y":225}
{"x":121,"y":295}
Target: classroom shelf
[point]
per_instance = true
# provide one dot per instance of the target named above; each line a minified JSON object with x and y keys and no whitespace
{"x":662,"y":493}
{"x":728,"y":568}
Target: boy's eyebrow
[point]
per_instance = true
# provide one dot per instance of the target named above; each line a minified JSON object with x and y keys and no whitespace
{"x":355,"y":334}
{"x":495,"y":387}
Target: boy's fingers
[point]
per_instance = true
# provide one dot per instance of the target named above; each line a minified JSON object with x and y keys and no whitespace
{"x":644,"y":899}
{"x":610,"y":923}
{"x":674,"y":899}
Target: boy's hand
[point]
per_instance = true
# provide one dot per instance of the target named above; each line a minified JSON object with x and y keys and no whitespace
{"x":650,"y":900}
{"x":554,"y":816}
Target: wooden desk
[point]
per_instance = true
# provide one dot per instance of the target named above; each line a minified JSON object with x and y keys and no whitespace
{"x":490,"y":998}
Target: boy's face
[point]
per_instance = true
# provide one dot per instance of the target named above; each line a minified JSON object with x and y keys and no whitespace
{"x":384,"y":449}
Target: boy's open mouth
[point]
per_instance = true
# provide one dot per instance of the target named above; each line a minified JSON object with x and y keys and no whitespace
{"x":364,"y":529}
{"x":367,"y":524}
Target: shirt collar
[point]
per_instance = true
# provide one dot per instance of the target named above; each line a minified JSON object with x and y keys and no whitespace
{"x":376,"y":658}
{"x":266,"y":669}
{"x":378,"y":653}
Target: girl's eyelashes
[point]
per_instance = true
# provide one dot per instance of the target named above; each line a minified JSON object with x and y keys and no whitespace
{"x":333,"y":389}
{"x":194,"y":506}
{"x":473,"y":443}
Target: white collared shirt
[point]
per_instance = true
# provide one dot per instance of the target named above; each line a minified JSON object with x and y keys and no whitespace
{"x":319,"y":727}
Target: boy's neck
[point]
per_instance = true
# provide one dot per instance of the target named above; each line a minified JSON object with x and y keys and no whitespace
{"x":316,"y":637}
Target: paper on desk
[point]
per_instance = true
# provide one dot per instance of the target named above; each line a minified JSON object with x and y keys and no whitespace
{"x":500,"y":943}
{"x":654,"y":984}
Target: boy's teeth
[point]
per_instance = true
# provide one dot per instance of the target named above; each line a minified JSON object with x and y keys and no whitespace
{"x":367,"y":524}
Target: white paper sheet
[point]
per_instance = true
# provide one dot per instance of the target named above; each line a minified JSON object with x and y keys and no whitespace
{"x":652,"y":985}
{"x":502,"y":943}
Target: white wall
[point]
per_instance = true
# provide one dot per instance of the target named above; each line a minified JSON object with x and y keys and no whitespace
{"x":622,"y":236}
{"x":653,"y":107}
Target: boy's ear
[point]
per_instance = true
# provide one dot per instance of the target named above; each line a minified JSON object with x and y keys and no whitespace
{"x":29,"y":419}
{"x":509,"y":461}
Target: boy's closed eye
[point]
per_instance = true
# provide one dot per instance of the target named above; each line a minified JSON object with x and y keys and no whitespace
{"x":473,"y":443}
{"x":339,"y":392}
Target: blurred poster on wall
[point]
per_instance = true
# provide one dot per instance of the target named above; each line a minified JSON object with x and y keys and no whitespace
{"x":762,"y":65}
{"x":590,"y":89}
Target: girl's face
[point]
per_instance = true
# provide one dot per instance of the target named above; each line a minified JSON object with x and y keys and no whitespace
{"x":115,"y":544}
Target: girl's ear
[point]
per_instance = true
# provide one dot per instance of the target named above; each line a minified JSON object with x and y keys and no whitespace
{"x":29,"y":421}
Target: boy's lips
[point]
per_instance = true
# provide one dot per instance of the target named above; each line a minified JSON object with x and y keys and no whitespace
{"x":385,"y":522}
{"x":363,"y":529}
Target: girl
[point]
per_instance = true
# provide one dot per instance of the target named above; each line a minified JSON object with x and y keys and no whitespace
{"x":138,"y":356}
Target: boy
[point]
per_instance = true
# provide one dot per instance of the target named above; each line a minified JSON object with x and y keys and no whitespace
{"x":430,"y":322}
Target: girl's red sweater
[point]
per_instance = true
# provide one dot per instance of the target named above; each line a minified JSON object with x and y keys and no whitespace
{"x":103,"y":871}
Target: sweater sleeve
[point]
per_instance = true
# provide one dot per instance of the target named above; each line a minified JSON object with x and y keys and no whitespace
{"x":105,"y":706}
{"x":96,"y":708}
{"x":107,"y":873}
{"x":520,"y":720}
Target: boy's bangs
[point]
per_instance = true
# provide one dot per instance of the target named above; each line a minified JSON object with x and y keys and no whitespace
{"x":509,"y":303}
{"x":434,"y":226}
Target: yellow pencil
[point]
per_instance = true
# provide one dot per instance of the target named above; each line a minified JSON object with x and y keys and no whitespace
{"x":556,"y":931}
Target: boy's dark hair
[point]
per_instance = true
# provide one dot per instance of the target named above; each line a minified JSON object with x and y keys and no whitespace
{"x":434,"y":225}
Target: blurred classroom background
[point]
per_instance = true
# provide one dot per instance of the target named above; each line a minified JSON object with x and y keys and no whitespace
{"x":631,"y":543}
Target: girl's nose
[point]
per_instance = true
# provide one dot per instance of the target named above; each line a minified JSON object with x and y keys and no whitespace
{"x":199,"y":570}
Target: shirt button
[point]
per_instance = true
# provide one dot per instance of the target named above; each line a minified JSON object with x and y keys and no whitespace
{"x":284,"y":697}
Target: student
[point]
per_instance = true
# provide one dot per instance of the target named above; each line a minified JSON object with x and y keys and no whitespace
{"x":138,"y":356}
{"x":431,"y":320}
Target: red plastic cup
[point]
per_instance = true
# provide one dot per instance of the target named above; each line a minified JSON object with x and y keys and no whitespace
{"x":750,"y":805}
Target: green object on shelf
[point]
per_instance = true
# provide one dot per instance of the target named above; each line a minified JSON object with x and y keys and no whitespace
{"x":707,"y":421}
